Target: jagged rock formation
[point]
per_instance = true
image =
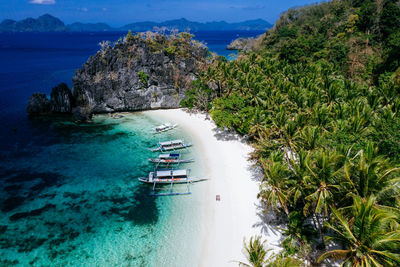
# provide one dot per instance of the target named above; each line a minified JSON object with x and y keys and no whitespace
{"x":38,"y":104}
{"x":61,"y":99}
{"x":140,"y":72}
{"x":242,"y":44}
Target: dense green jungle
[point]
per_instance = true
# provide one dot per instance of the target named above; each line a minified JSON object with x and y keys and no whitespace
{"x":319,"y":98}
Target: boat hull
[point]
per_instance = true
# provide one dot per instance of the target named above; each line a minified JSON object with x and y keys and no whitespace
{"x":168,"y":128}
{"x":172,"y":148}
{"x":171,"y":161}
{"x":174,"y":180}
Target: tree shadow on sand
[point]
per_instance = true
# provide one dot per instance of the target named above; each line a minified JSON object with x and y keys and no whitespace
{"x":228,"y":135}
{"x":269,"y":222}
{"x":257,"y":173}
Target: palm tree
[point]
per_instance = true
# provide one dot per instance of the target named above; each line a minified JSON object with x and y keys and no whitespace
{"x":308,"y":137}
{"x":359,"y":121}
{"x":331,"y":87}
{"x":367,"y":174}
{"x":324,"y":172}
{"x":368,"y":236}
{"x":300,"y":173}
{"x":255,"y":253}
{"x":320,"y":115}
{"x":297,"y":233}
{"x":274,"y":190}
{"x":258,"y":128}
{"x":281,"y":261}
{"x":323,"y":179}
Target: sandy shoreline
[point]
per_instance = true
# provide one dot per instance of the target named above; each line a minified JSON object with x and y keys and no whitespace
{"x":231,"y":175}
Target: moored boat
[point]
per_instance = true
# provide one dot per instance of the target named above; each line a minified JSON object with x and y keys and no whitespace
{"x":170,"y":176}
{"x":165,"y":127}
{"x":171,"y":145}
{"x":171,"y":158}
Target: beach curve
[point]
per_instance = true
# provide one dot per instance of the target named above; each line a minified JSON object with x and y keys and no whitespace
{"x":231,"y":176}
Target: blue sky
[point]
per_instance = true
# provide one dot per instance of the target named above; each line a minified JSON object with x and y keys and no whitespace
{"x":119,"y":12}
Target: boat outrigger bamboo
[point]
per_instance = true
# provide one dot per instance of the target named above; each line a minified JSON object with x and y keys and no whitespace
{"x":172,"y":158}
{"x":165,"y":127}
{"x":171,"y":145}
{"x":170,"y":177}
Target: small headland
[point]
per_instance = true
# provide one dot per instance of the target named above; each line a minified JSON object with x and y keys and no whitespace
{"x":138,"y":72}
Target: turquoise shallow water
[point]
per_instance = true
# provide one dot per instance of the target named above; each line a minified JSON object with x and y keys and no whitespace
{"x":70,"y":197}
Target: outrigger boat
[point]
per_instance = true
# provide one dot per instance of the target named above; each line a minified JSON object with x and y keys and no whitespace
{"x":171,"y":145}
{"x":165,"y":127}
{"x":170,"y":159}
{"x":171,"y":177}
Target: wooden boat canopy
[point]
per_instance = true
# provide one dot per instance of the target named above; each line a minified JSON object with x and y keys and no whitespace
{"x":172,"y":142}
{"x":171,"y":173}
{"x":169,"y":156}
{"x":165,"y":127}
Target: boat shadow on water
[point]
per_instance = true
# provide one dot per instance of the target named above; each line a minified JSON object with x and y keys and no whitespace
{"x":141,"y":209}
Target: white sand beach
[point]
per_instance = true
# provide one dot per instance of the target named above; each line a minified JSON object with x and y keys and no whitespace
{"x":232,"y":176}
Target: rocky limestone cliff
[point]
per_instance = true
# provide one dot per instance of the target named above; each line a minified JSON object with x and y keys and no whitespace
{"x":61,"y":101}
{"x":242,"y":44}
{"x":145,"y":71}
{"x":246,"y":44}
{"x":38,"y":104}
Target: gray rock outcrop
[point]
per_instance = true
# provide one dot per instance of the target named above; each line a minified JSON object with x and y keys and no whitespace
{"x":142,"y":72}
{"x":61,"y":99}
{"x":136,"y":75}
{"x":242,"y":44}
{"x":38,"y":104}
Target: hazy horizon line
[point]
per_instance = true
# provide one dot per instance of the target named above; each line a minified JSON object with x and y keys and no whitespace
{"x":137,"y":21}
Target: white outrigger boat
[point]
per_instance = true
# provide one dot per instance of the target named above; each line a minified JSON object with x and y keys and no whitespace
{"x":165,"y":127}
{"x":171,"y":145}
{"x":171,"y":158}
{"x":170,"y":177}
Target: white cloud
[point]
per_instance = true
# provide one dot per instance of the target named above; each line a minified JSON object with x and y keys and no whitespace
{"x":84,"y":9}
{"x":104,"y":9}
{"x":42,"y":2}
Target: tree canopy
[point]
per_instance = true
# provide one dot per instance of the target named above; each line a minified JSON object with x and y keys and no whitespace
{"x":319,"y":97}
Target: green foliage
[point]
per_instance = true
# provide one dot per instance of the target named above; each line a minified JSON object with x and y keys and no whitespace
{"x":170,"y":50}
{"x":143,"y":77}
{"x":389,"y":18}
{"x":200,"y":96}
{"x":287,"y":32}
{"x":129,"y":37}
{"x":186,"y":35}
{"x":320,"y":102}
{"x":180,"y":45}
{"x":297,"y":234}
{"x":234,"y":114}
{"x":329,"y":31}
{"x":367,"y":15}
{"x":256,"y":253}
{"x":392,"y":45}
{"x":284,"y":261}
{"x":367,"y":234}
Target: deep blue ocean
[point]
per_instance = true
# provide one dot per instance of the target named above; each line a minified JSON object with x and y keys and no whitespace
{"x":68,"y":193}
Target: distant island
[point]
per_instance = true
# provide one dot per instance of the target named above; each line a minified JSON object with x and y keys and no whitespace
{"x":49,"y":23}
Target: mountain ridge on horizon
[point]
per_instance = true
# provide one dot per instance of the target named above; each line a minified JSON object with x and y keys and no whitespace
{"x":49,"y":23}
